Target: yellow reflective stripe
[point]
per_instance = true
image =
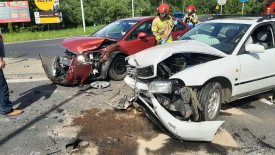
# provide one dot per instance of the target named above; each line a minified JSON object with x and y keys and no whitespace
{"x":158,"y":37}
{"x":169,"y":40}
{"x":154,"y":30}
{"x":164,"y":22}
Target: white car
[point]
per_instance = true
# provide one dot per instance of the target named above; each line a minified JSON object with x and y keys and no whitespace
{"x":184,"y":83}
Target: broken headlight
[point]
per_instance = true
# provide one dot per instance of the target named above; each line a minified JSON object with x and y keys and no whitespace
{"x":146,"y":71}
{"x":91,"y":56}
{"x":162,"y":87}
{"x":81,"y":58}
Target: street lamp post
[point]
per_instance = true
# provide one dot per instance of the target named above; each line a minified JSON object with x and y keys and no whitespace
{"x":141,"y":12}
{"x":83,"y":18}
{"x":183,"y":6}
{"x":133,"y":8}
{"x":162,"y":1}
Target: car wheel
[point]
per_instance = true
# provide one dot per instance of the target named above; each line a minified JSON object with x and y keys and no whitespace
{"x":210,"y":98}
{"x":117,"y":70}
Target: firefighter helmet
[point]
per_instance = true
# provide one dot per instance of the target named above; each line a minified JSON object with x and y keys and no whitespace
{"x":190,"y":8}
{"x":163,"y":9}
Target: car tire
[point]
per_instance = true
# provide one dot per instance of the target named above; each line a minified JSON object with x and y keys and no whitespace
{"x":117,"y":69}
{"x":210,"y":97}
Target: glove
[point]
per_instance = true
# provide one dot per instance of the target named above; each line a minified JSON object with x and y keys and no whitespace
{"x":175,"y":22}
{"x":163,"y":42}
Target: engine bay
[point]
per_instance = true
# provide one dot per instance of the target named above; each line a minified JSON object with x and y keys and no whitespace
{"x":179,"y":62}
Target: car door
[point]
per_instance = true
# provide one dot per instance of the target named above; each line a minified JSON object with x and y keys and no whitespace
{"x":257,"y":71}
{"x":179,"y":30}
{"x":138,"y":45}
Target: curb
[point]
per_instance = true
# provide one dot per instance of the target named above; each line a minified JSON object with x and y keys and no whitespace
{"x":42,"y":40}
{"x":25,"y":76}
{"x":27,"y":80}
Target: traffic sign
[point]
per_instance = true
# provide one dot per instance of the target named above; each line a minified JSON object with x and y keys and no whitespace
{"x":217,"y":7}
{"x":221,"y":2}
{"x":243,"y":1}
{"x":47,"y":17}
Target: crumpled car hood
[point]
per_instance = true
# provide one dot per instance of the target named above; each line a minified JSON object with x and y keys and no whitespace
{"x":157,"y":54}
{"x":81,"y":44}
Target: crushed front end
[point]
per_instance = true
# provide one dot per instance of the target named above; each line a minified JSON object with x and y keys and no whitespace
{"x":85,"y":58}
{"x":169,"y":101}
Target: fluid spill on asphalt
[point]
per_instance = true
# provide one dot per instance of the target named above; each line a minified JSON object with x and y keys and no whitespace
{"x":130,"y":132}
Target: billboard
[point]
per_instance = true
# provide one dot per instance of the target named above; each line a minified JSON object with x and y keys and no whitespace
{"x":16,"y":11}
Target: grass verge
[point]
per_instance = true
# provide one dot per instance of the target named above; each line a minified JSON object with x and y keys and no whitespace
{"x":28,"y":36}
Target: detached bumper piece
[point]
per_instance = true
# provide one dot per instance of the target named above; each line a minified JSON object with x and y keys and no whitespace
{"x":191,"y":131}
{"x":65,"y":71}
{"x":179,"y":129}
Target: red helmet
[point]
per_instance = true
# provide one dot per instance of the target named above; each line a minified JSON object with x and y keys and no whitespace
{"x":190,"y":8}
{"x":163,"y":8}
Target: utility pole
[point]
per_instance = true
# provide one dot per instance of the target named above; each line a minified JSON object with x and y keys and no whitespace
{"x":162,"y":1}
{"x":83,"y":18}
{"x":141,"y":12}
{"x":133,"y":12}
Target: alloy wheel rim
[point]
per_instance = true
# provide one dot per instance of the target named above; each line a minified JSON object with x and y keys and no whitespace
{"x":213,"y":105}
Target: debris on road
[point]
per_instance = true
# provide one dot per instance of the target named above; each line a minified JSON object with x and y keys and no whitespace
{"x":84,"y":143}
{"x":54,"y":132}
{"x":100,"y":84}
{"x":84,"y":87}
{"x":96,"y":84}
{"x":72,"y":143}
{"x":118,"y":101}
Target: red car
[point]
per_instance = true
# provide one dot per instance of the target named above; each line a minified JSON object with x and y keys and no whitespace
{"x":103,"y":53}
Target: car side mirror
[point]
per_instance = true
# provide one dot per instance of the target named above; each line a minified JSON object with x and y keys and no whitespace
{"x":255,"y":48}
{"x":141,"y":35}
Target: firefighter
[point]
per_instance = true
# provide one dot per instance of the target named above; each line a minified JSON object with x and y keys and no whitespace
{"x":191,"y":19}
{"x":162,"y":25}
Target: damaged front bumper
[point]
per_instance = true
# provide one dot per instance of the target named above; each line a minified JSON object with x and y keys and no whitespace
{"x":65,"y":71}
{"x":184,"y":130}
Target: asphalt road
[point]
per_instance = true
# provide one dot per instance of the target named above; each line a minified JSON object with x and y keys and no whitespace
{"x":54,"y":114}
{"x":31,"y":50}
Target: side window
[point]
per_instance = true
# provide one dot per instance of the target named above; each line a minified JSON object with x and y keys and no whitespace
{"x":145,"y":27}
{"x":262,"y":35}
{"x":179,"y":27}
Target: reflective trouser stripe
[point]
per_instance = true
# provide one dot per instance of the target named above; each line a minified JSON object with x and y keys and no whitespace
{"x":168,"y":41}
{"x":157,"y":38}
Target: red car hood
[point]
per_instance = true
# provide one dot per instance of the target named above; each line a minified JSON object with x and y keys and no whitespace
{"x":81,"y":44}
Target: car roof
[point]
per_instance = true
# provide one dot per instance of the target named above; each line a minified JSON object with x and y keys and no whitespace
{"x":140,"y":18}
{"x":239,"y":20}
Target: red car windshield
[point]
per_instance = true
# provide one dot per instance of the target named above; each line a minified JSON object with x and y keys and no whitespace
{"x":116,"y":30}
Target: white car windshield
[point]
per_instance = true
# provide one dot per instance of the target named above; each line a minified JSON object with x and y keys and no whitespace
{"x":222,"y":36}
{"x":116,"y":30}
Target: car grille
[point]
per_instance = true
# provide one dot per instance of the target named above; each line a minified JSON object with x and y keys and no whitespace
{"x":145,"y":72}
